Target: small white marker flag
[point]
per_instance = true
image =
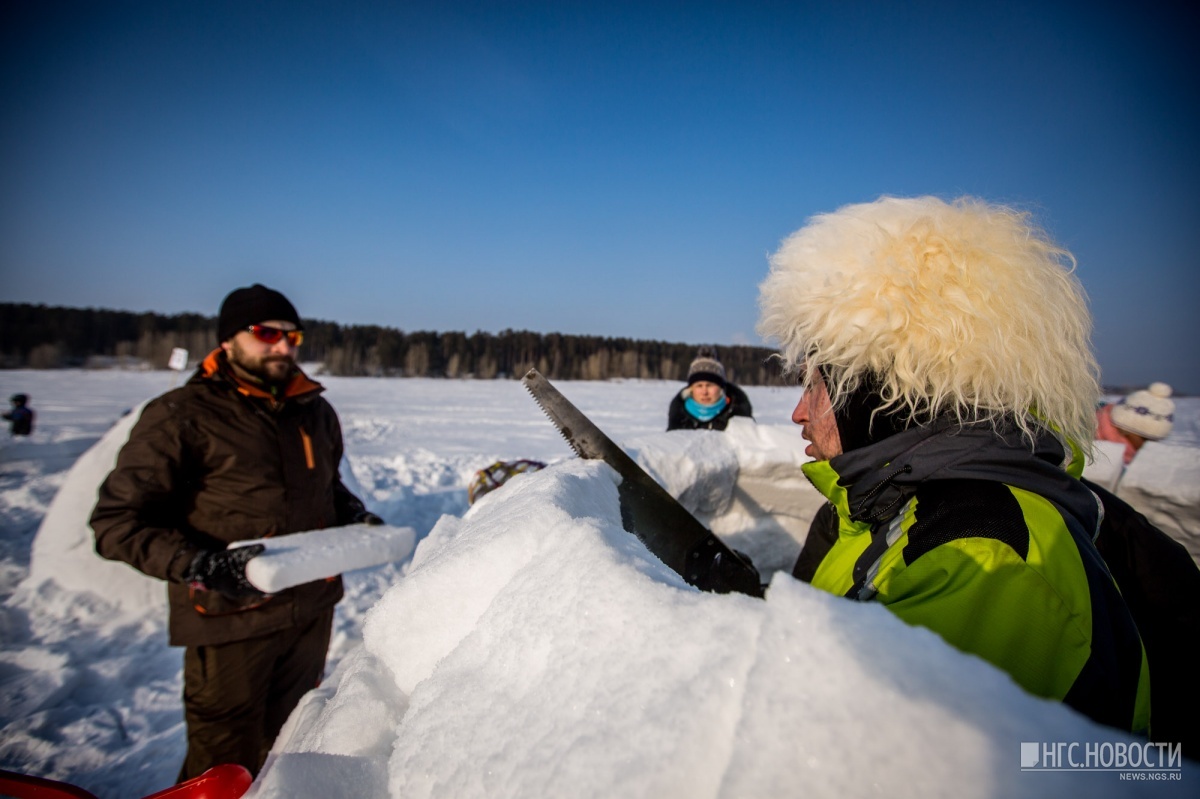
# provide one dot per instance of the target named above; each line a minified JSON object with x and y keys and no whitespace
{"x":178,"y":360}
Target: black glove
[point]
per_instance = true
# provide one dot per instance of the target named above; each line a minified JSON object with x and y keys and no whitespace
{"x":366,"y":517}
{"x":225,"y":571}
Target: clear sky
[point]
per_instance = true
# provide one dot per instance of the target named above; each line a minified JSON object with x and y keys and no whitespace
{"x":607,"y":168}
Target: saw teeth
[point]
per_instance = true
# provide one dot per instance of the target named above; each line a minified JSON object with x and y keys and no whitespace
{"x":565,"y":437}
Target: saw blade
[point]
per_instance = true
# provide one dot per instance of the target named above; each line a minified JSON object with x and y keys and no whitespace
{"x":579,"y":431}
{"x":666,"y":528}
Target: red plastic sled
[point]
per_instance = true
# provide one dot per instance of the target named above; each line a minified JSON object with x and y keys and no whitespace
{"x":219,"y":782}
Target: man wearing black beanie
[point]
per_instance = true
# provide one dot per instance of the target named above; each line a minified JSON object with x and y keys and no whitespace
{"x":239,"y":331}
{"x":246,"y":449}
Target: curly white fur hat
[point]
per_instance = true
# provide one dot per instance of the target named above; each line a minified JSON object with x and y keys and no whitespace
{"x":1149,"y":413}
{"x":961,"y":308}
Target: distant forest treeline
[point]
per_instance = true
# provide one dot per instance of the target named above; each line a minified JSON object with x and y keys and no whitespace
{"x":44,"y":337}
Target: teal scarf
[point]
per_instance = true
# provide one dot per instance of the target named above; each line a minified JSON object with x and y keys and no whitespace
{"x":704,"y":413}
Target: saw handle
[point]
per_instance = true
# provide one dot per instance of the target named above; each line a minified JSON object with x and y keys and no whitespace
{"x":711,"y":566}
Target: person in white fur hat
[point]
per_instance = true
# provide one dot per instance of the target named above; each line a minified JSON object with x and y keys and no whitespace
{"x":1142,"y":416}
{"x":948,"y":396}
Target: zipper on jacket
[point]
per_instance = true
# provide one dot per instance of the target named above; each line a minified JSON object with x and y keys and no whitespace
{"x":883,"y":538}
{"x":308,"y":449}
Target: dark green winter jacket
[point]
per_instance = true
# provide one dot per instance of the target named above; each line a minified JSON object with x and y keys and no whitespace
{"x":971,"y":534}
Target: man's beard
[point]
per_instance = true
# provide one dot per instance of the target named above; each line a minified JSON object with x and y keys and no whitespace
{"x":270,"y":370}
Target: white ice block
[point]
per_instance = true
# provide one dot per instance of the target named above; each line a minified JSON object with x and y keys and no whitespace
{"x":303,"y":557}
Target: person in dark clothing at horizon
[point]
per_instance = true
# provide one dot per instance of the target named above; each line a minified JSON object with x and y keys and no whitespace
{"x":246,"y":449}
{"x":21,"y":415}
{"x":709,"y":400}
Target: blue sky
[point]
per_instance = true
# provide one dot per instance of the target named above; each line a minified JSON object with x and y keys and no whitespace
{"x":608,"y":168}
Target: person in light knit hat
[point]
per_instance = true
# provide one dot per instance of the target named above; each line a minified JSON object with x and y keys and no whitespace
{"x":948,"y":396}
{"x":1142,"y":416}
{"x":709,"y":400}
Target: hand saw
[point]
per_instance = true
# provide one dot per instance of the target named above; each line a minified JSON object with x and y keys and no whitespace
{"x":647,"y":510}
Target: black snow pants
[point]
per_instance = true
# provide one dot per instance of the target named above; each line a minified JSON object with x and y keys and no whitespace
{"x":237,"y":696}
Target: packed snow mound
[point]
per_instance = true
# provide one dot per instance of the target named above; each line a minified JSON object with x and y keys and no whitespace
{"x":1107,"y":464}
{"x":64,"y":551}
{"x":697,"y":467}
{"x":743,"y":483}
{"x":1162,"y":482}
{"x":535,"y":648}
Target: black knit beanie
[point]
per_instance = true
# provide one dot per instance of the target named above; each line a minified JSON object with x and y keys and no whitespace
{"x":858,"y":423}
{"x":252,"y":306}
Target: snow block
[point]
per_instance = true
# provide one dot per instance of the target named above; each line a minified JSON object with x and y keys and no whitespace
{"x":743,"y":483}
{"x":1163,"y":482}
{"x":1107,"y":464}
{"x":303,"y":557}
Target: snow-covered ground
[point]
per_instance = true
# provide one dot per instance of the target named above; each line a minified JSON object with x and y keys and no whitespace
{"x":529,"y":647}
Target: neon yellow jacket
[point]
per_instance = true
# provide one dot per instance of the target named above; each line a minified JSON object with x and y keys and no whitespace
{"x":971,"y":534}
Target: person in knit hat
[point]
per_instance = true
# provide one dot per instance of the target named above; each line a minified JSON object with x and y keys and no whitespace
{"x":709,"y":400}
{"x":1142,"y":416}
{"x":244,"y":314}
{"x":948,"y":396}
{"x":246,"y":449}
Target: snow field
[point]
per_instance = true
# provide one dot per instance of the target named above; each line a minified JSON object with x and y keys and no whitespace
{"x":529,"y":646}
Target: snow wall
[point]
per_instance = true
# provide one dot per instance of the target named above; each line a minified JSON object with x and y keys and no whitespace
{"x":1162,"y":482}
{"x":535,"y":648}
